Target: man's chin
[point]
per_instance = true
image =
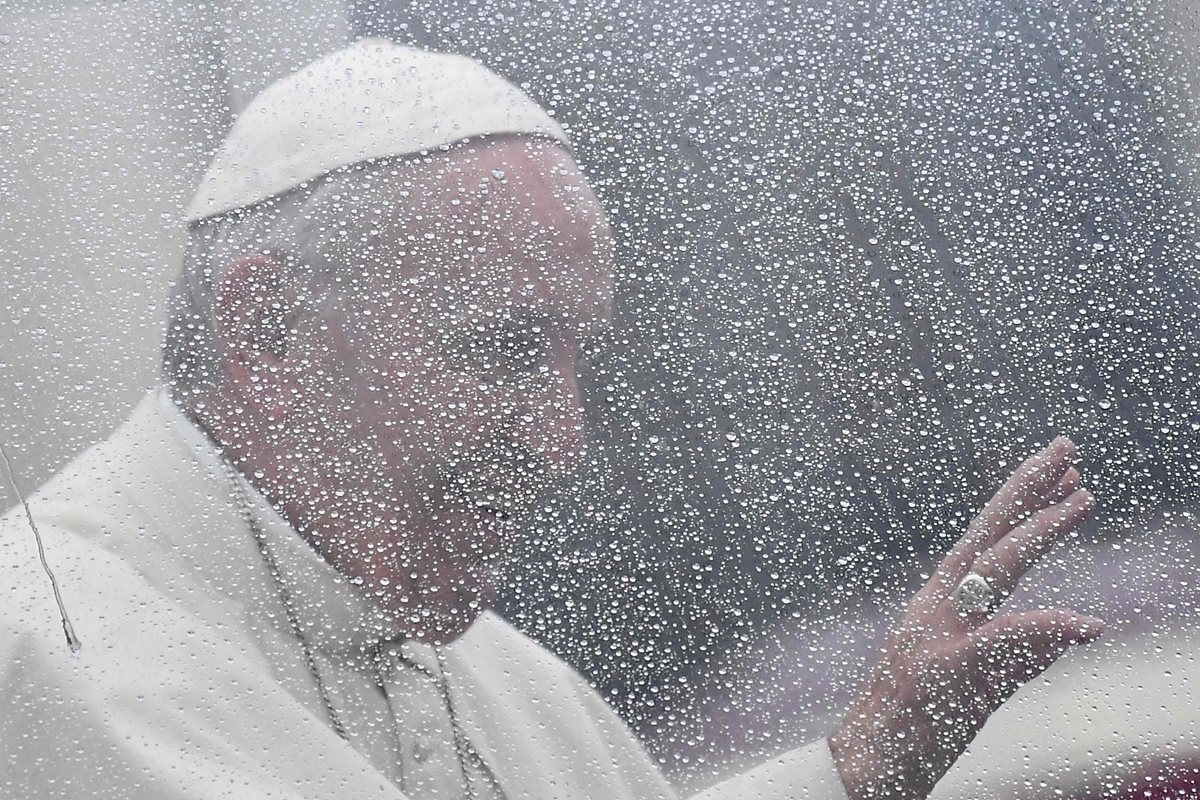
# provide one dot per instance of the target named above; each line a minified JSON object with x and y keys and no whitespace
{"x":444,"y":626}
{"x":448,"y":615}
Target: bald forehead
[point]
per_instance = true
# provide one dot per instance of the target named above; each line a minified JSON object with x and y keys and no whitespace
{"x":522,"y":181}
{"x":502,"y":225}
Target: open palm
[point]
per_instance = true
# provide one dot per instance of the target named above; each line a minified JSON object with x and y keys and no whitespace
{"x":944,"y":672}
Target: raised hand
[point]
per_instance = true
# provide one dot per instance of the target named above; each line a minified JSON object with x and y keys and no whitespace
{"x":949,"y":663}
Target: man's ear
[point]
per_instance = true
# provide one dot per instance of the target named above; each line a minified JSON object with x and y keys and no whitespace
{"x":252,"y":312}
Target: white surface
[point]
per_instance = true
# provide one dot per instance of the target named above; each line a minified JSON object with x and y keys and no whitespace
{"x":1092,"y":721}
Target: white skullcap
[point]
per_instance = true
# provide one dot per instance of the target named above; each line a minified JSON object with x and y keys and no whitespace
{"x":370,"y":100}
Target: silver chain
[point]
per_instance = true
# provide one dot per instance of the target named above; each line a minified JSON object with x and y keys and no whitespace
{"x":460,"y":745}
{"x":243,"y":503}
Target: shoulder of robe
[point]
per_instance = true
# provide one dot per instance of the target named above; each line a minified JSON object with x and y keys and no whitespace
{"x":170,"y":697}
{"x":528,"y":668}
{"x":111,"y":523}
{"x":559,"y":717}
{"x":1107,"y":717}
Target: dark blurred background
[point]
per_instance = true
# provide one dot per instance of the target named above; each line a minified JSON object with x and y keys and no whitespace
{"x":873,"y":255}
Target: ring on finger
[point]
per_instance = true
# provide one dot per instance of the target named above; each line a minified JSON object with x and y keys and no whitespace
{"x":974,"y":594}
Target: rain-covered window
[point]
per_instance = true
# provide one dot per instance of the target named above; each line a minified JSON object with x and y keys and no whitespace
{"x":759,"y":303}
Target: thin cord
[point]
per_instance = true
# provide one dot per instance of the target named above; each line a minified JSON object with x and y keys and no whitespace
{"x":73,"y":641}
{"x":460,"y":749}
{"x":381,"y":682}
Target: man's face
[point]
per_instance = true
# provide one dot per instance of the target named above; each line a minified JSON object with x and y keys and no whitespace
{"x":435,"y":396}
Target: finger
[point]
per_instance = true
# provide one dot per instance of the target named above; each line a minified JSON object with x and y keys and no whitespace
{"x":1063,"y":489}
{"x":1005,"y":562}
{"x":1027,"y":487}
{"x":1015,"y":648}
{"x":1045,"y":475}
{"x":1025,"y":490}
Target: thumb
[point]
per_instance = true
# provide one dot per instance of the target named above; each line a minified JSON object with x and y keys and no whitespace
{"x":1013,"y":649}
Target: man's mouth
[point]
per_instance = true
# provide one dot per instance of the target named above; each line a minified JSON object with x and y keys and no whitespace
{"x":490,"y":494}
{"x":490,"y":500}
{"x":502,"y":481}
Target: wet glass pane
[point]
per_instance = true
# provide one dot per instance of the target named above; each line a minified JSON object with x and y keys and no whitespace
{"x":846,"y":266}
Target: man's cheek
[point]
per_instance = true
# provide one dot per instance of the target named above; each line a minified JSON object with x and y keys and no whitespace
{"x":479,"y":408}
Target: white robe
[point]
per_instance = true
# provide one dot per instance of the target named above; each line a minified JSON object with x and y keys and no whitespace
{"x":192,"y":684}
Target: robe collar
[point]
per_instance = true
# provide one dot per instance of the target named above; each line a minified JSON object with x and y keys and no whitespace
{"x":334,"y":616}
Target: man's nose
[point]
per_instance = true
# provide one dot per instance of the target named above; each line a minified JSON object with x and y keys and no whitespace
{"x":550,"y":422}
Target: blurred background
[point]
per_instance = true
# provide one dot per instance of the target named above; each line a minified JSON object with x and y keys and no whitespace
{"x":872,"y":256}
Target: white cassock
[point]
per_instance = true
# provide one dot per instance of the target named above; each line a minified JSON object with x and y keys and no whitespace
{"x":192,"y":683}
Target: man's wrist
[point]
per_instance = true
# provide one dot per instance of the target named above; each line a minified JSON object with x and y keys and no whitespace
{"x":853,"y":763}
{"x":880,"y":756}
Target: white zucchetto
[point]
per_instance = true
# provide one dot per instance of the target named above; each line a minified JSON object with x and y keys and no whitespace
{"x":369,"y":100}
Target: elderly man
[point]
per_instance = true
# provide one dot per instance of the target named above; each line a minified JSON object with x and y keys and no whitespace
{"x":280,"y":566}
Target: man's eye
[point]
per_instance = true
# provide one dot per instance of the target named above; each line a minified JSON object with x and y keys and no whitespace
{"x":522,"y":351}
{"x":508,"y":352}
{"x":590,"y":348}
